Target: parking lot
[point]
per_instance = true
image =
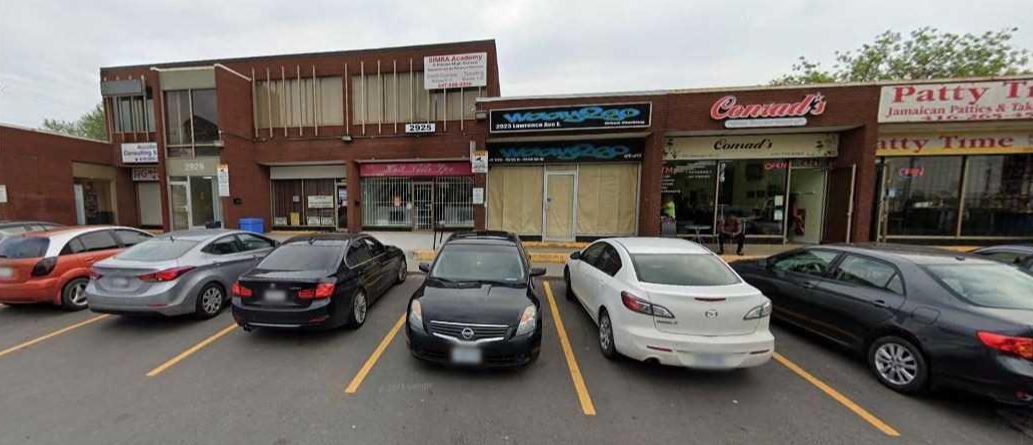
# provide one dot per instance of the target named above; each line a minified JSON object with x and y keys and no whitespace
{"x":85,"y":378}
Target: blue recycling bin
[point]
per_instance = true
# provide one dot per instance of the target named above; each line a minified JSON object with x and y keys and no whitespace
{"x":256,"y":225}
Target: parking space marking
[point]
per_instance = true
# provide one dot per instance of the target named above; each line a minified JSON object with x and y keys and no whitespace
{"x":857,"y":409}
{"x":583,"y":396}
{"x":353,"y":387}
{"x":183,"y":355}
{"x":52,"y":334}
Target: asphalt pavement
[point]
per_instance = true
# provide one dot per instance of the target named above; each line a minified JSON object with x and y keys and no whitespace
{"x":88,"y":379}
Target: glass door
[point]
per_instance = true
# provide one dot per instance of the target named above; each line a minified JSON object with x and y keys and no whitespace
{"x":806,"y":205}
{"x":202,"y":201}
{"x":423,"y":205}
{"x":179,"y":206}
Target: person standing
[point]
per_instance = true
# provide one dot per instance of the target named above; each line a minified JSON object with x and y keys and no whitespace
{"x":731,"y":227}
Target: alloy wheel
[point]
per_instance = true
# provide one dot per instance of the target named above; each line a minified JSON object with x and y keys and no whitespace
{"x":605,"y":333}
{"x":896,"y":364}
{"x":79,"y":294}
{"x":402,"y":270}
{"x":211,"y":300}
{"x":360,"y":307}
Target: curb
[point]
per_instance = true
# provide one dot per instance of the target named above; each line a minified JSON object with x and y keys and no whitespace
{"x":561,"y":258}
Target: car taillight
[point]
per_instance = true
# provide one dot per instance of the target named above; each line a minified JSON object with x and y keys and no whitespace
{"x":44,"y":267}
{"x":322,"y":290}
{"x":1020,"y":346}
{"x":165,"y":275}
{"x":241,"y":291}
{"x":636,"y":304}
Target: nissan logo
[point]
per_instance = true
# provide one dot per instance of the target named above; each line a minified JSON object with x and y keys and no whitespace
{"x":711,"y":313}
{"x":467,"y":333}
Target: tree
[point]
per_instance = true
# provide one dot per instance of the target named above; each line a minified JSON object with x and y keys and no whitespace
{"x":926,"y":53}
{"x":92,"y":125}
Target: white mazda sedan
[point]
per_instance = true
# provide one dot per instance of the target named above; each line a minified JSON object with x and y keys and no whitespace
{"x":670,"y":301}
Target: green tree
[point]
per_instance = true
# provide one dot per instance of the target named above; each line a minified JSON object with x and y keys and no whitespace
{"x":90,"y":125}
{"x":926,"y":53}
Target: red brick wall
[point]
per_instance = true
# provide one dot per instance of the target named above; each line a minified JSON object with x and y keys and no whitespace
{"x":36,"y":167}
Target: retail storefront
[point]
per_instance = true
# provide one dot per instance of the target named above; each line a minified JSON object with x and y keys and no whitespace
{"x":775,"y":183}
{"x":955,"y":161}
{"x":309,"y":196}
{"x":566,"y":187}
{"x":417,"y":195}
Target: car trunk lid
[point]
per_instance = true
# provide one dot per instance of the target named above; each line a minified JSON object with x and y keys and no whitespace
{"x":705,"y":310}
{"x":276,"y":288}
{"x":17,"y":270}
{"x":118,"y":276}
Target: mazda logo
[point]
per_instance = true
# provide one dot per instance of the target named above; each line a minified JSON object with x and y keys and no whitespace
{"x":711,"y":313}
{"x":467,"y":333}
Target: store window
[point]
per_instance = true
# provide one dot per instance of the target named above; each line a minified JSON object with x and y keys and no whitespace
{"x":922,"y":195}
{"x":417,"y":203}
{"x":607,"y":199}
{"x":304,"y":203}
{"x":754,"y":190}
{"x":689,"y":189}
{"x":998,"y":196}
{"x":515,"y":199}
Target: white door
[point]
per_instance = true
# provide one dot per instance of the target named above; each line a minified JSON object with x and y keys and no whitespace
{"x":148,"y":198}
{"x":560,"y":190}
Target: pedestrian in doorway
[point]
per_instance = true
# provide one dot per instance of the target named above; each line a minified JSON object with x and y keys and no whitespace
{"x":731,"y":228}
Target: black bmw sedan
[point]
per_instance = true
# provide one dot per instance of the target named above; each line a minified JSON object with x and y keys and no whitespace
{"x":477,"y":306}
{"x":921,"y":317}
{"x":324,"y":280}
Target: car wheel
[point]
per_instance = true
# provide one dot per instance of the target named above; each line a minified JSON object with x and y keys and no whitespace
{"x":357,"y":314}
{"x":73,"y":296}
{"x":898,"y":364}
{"x":403,"y":269}
{"x":606,"y":344}
{"x":210,"y":301}
{"x":566,"y":282}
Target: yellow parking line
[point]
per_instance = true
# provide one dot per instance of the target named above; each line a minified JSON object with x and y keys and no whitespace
{"x":353,"y":387}
{"x":863,"y":413}
{"x":575,"y":372}
{"x":183,"y":355}
{"x":51,"y":335}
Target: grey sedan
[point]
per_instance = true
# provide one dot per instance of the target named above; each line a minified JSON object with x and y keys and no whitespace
{"x":186,"y":272}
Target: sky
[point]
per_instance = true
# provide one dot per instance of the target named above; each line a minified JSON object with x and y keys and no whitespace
{"x":51,"y":52}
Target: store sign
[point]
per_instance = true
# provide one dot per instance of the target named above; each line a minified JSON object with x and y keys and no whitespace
{"x":321,"y":201}
{"x":145,"y":174}
{"x":576,"y":117}
{"x":455,"y":71}
{"x":782,"y":146}
{"x":771,"y":114}
{"x":957,"y":143}
{"x":479,"y":161}
{"x":957,"y":102}
{"x":615,"y":150}
{"x":478,"y":195}
{"x":417,"y":169}
{"x":140,"y":153}
{"x":223,"y":173}
{"x":420,"y":128}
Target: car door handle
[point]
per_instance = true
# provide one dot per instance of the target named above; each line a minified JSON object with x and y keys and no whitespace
{"x":808,"y":284}
{"x":216,"y":263}
{"x":880,"y":304}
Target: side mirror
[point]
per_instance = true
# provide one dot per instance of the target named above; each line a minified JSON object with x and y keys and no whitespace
{"x":425,"y":267}
{"x":537,"y":271}
{"x":576,"y":255}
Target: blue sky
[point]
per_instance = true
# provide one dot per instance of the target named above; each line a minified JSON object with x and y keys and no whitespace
{"x":50,"y":52}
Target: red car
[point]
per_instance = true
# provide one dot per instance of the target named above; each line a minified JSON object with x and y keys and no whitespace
{"x":54,"y":266}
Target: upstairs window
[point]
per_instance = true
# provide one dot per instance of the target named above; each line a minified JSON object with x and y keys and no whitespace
{"x":132,"y":114}
{"x":191,"y":123}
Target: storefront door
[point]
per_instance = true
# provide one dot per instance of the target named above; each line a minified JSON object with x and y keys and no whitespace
{"x":559,"y":206}
{"x":180,"y":205}
{"x":342,"y":207}
{"x":423,"y":205}
{"x":806,"y":205}
{"x":193,"y":202}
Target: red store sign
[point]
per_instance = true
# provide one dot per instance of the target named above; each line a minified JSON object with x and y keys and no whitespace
{"x":772,"y":114}
{"x":416,"y":169}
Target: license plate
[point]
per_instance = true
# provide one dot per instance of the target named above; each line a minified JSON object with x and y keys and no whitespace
{"x":710,"y":359}
{"x":466,"y":356}
{"x":6,"y":272}
{"x":275,"y":296}
{"x":119,"y":281}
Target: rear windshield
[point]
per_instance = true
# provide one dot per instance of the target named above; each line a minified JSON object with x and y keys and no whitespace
{"x":302,"y":256}
{"x":470,"y":262}
{"x":683,"y":270}
{"x":157,"y":249}
{"x":24,"y":247}
{"x":989,"y":285}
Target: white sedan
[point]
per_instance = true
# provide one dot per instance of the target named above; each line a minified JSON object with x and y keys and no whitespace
{"x":670,"y":301}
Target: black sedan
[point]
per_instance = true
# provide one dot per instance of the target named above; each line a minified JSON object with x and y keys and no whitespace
{"x":922,"y":317}
{"x":1019,"y":255}
{"x":477,"y":306}
{"x":317,"y":281}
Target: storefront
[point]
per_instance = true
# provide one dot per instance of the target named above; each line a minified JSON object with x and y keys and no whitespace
{"x":193,"y":192}
{"x":309,"y":196}
{"x":417,"y":195}
{"x":955,"y":162}
{"x":776,"y":184}
{"x":95,"y":197}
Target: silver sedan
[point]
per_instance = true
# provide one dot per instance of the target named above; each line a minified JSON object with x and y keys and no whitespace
{"x":185,"y":272}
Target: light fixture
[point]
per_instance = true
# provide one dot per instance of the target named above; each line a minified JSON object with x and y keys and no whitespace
{"x":346,"y":138}
{"x":480,"y":115}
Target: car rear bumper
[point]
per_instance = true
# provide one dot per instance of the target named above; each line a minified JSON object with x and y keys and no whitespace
{"x":696,"y":351}
{"x":319,"y":314}
{"x":515,"y":351}
{"x":169,"y":302}
{"x":36,"y":290}
{"x":1007,"y":379}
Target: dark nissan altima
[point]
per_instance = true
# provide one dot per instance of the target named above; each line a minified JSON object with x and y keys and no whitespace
{"x":323,"y":281}
{"x":477,"y":306}
{"x":922,"y":317}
